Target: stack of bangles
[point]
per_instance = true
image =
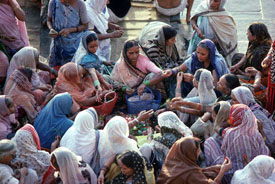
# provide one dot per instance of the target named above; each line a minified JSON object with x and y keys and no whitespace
{"x":105,"y":168}
{"x":147,"y":83}
{"x":174,"y":72}
{"x":96,"y":83}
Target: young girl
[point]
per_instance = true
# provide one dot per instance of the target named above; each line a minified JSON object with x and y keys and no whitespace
{"x":86,"y":57}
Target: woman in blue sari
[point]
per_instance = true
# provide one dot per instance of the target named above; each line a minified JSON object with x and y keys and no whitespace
{"x":206,"y":56}
{"x":52,"y":120}
{"x":67,"y":20}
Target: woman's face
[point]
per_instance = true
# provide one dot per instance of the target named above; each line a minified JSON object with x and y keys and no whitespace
{"x":215,"y":4}
{"x":124,"y":169}
{"x":249,"y":35}
{"x":202,"y":54}
{"x":170,"y":42}
{"x":233,"y":99}
{"x":133,"y":53}
{"x":92,"y":46}
{"x":221,"y":85}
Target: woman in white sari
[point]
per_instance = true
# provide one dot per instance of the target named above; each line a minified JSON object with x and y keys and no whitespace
{"x":97,"y":146}
{"x":212,"y":21}
{"x":98,"y":13}
{"x":259,"y":170}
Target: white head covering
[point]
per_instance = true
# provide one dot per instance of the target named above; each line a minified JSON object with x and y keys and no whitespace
{"x":170,"y":120}
{"x":68,"y":164}
{"x":244,"y":95}
{"x":118,"y":131}
{"x":27,"y":153}
{"x":256,"y":172}
{"x":98,"y":18}
{"x":206,"y":87}
{"x":114,"y":139}
{"x":80,"y":138}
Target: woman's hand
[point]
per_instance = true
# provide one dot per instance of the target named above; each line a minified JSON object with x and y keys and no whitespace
{"x":144,"y":115}
{"x":65,"y":32}
{"x":98,"y":93}
{"x":226,"y":166}
{"x":200,"y":33}
{"x":266,"y":62}
{"x":141,"y":88}
{"x":117,"y":34}
{"x":233,"y":68}
{"x":129,"y":91}
{"x":53,"y":33}
{"x":251,"y":71}
{"x":188,"y":77}
{"x":180,"y":77}
{"x":100,"y":179}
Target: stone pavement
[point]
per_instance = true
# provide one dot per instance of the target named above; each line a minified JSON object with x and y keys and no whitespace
{"x":244,"y":12}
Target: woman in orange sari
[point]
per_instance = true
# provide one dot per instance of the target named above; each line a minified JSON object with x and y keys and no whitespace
{"x":74,"y":79}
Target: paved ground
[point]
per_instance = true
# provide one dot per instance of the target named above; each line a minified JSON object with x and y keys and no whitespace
{"x":244,"y":12}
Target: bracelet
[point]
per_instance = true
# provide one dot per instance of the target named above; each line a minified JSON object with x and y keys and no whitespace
{"x":147,"y":83}
{"x":105,"y":168}
{"x":123,"y":88}
{"x":96,"y":83}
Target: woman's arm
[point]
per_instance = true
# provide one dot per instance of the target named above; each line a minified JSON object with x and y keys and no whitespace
{"x":235,"y":67}
{"x":105,"y":169}
{"x":196,"y":28}
{"x":44,"y":67}
{"x":19,"y":13}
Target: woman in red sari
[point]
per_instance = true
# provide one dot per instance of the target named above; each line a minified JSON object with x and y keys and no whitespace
{"x":269,"y":61}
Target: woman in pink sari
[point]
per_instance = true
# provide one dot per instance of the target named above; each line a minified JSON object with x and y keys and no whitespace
{"x":13,"y":33}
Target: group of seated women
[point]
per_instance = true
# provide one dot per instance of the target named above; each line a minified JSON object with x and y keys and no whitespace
{"x":216,"y":122}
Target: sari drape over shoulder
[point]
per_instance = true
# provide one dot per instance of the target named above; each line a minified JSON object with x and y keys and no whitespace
{"x":29,"y":151}
{"x":180,"y":165}
{"x":52,"y":120}
{"x":69,"y":80}
{"x":19,"y":88}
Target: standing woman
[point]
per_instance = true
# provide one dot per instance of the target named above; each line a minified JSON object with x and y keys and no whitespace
{"x":67,"y":19}
{"x":13,"y":32}
{"x":212,"y":21}
{"x":98,"y":13}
